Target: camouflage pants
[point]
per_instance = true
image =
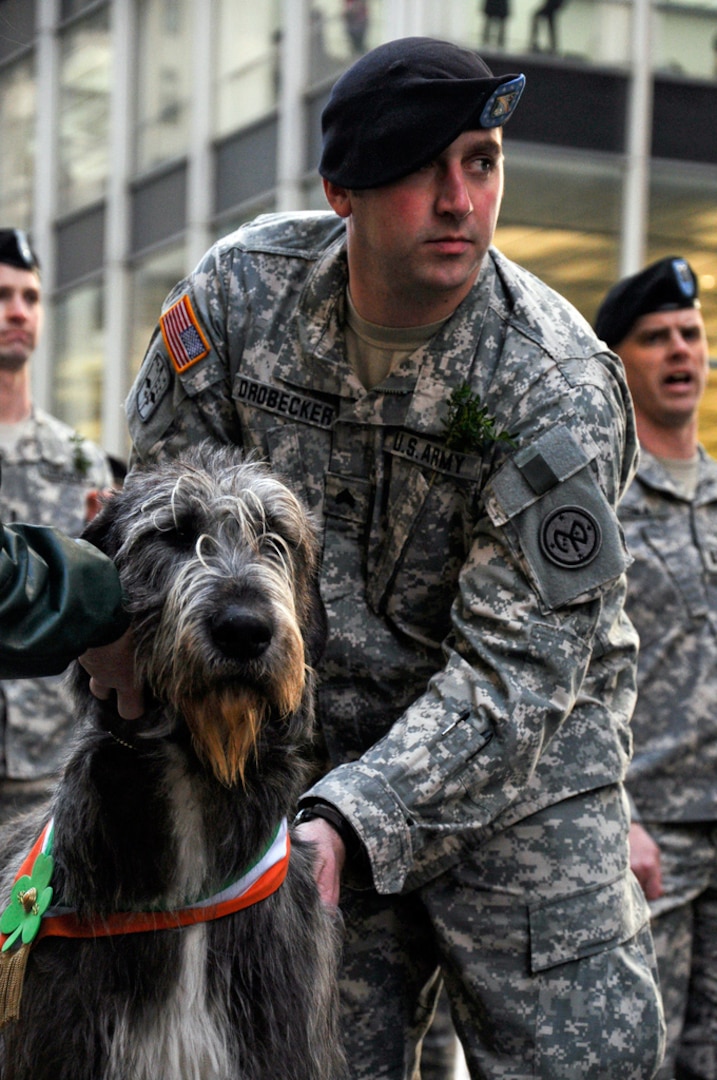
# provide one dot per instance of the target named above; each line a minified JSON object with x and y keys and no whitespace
{"x":543,"y":943}
{"x":684,"y":927}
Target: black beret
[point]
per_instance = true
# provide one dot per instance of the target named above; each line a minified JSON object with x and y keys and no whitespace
{"x":403,"y":103}
{"x":15,"y":250}
{"x":666,"y":285}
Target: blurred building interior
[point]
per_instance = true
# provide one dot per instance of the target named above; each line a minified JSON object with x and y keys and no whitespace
{"x":134,"y":132}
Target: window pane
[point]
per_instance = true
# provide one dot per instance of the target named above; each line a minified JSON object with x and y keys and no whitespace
{"x":79,"y":351}
{"x":84,"y":111}
{"x":68,"y":8}
{"x":683,"y":221}
{"x":584,"y":30}
{"x":17,"y":129}
{"x":164,"y":80}
{"x":340,"y":31}
{"x":686,"y":38}
{"x":561,"y":219}
{"x":247,"y":43}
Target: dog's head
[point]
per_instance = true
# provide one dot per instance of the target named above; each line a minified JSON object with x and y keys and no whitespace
{"x":219,"y":564}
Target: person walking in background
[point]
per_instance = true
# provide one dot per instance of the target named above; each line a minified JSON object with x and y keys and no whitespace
{"x":463,"y":440}
{"x":653,"y":321}
{"x":545,"y":14}
{"x":495,"y":14}
{"x":355,"y":16}
{"x":47,"y":470}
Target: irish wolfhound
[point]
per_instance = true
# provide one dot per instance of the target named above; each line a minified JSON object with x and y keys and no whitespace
{"x":181,"y":942}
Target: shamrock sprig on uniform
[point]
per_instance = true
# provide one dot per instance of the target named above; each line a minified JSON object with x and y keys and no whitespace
{"x":80,"y":460}
{"x":30,"y":898}
{"x":468,"y":425}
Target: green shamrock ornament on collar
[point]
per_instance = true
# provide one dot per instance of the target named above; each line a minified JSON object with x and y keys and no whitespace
{"x":30,"y":898}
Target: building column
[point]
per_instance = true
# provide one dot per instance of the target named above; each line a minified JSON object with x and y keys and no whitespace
{"x":200,"y":176}
{"x":45,"y":186}
{"x":636,"y":188}
{"x":116,"y":374}
{"x":293,"y":73}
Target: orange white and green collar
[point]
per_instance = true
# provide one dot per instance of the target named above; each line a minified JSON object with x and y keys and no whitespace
{"x":30,"y":916}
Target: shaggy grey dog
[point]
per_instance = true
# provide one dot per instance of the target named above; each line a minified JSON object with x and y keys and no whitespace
{"x":218,"y":561}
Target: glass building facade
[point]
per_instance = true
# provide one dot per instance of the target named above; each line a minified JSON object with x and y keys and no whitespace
{"x":134,"y":132}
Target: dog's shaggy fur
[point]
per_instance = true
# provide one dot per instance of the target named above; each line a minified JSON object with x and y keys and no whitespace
{"x":218,"y":561}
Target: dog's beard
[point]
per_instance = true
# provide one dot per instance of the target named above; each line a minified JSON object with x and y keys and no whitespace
{"x":225,"y":728}
{"x":225,"y":725}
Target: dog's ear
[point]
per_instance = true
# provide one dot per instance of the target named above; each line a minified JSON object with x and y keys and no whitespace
{"x":317,"y":627}
{"x":98,"y":530}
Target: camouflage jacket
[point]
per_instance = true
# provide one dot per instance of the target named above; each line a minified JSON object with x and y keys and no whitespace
{"x":479,"y":664}
{"x":672,"y":600}
{"x":44,"y":481}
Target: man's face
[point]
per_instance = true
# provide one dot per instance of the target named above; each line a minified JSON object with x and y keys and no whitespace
{"x":666,"y":360}
{"x":421,"y":240}
{"x":20,"y":316}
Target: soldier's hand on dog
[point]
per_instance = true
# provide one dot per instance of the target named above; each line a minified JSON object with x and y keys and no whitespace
{"x":329,"y":860}
{"x":111,"y":667}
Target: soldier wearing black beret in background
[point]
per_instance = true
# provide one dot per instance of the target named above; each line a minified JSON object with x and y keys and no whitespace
{"x":653,"y":321}
{"x":58,"y":596}
{"x":463,"y":439}
{"x":48,"y":471}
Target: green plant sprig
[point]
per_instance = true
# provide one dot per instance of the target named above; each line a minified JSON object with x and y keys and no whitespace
{"x":468,"y":426}
{"x":80,"y":460}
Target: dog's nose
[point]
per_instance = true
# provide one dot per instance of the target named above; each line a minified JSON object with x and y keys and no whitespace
{"x":240,"y":632}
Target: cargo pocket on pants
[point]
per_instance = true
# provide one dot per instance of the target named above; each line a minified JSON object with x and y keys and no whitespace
{"x":599,"y":1013}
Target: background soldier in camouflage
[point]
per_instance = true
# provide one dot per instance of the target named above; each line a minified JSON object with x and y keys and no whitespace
{"x":47,"y":472}
{"x":464,"y":439}
{"x":653,"y":321}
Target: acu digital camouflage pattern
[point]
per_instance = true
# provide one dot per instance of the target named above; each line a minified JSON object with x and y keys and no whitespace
{"x":672,"y":599}
{"x":45,"y":481}
{"x":480,"y":667}
{"x":558,"y":896}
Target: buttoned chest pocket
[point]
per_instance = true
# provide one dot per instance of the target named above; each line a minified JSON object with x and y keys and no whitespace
{"x":420,"y":540}
{"x":46,"y":494}
{"x":672,"y":571}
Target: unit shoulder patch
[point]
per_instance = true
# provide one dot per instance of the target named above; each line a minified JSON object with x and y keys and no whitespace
{"x":570,"y":537}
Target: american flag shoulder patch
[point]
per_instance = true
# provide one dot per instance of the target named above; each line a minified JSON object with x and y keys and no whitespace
{"x":183,"y":335}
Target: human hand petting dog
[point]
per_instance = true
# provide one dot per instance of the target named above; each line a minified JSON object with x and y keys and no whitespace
{"x":111,"y":667}
{"x":330,"y":858}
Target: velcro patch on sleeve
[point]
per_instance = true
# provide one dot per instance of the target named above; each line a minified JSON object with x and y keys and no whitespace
{"x":183,"y":335}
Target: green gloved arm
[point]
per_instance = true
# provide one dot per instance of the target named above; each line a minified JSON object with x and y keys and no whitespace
{"x":58,"y":597}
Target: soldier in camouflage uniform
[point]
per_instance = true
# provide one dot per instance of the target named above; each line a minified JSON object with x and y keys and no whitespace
{"x":47,"y":472}
{"x":464,"y":439}
{"x":669,"y":515}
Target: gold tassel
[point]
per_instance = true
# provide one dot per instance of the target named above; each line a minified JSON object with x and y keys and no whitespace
{"x":12,"y":976}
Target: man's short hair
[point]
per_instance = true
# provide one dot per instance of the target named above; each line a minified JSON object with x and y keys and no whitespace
{"x":402,"y":104}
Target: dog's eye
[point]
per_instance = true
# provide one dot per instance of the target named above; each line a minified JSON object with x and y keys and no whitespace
{"x":181,"y":533}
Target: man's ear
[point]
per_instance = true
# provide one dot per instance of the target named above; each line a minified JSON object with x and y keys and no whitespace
{"x":339,"y":198}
